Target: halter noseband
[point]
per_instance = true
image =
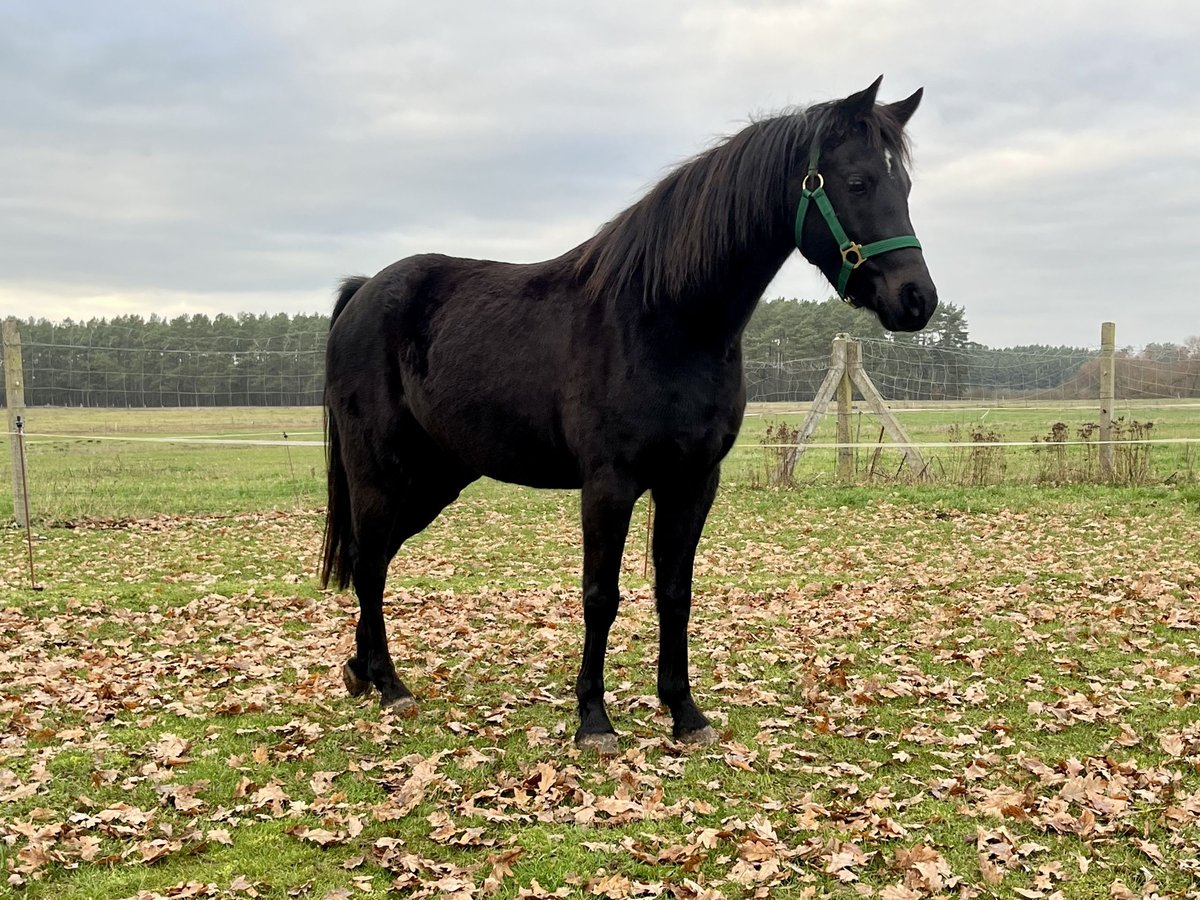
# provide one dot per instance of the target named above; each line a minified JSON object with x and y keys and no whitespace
{"x":853,"y":253}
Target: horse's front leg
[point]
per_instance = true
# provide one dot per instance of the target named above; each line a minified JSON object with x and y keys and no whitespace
{"x":607,"y":505}
{"x":680,"y":512}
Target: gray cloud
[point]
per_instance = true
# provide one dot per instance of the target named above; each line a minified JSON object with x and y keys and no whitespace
{"x":224,"y":157}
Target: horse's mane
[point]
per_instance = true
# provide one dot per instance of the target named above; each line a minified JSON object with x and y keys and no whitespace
{"x":717,"y":203}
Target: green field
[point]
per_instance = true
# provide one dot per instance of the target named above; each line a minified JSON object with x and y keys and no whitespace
{"x":110,"y":464}
{"x":952,"y":436}
{"x":114,"y":464}
{"x":921,"y":689}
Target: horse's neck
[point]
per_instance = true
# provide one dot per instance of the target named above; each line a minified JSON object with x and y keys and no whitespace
{"x":722,"y":308}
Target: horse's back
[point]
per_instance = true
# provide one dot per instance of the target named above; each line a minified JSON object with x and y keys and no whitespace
{"x":519,"y":375}
{"x":475,"y":352}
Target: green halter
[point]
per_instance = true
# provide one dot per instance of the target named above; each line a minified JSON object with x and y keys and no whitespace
{"x":853,"y":254}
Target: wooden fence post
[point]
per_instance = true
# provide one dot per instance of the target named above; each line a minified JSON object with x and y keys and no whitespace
{"x":14,"y":394}
{"x":1108,"y":393}
{"x":852,"y":356}
{"x":846,"y":373}
{"x":833,"y":380}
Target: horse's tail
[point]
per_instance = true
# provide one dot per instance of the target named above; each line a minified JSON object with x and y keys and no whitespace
{"x":336,"y":564}
{"x":335,"y":551}
{"x":347,"y":289}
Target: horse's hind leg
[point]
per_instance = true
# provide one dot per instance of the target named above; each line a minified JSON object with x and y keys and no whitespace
{"x":371,"y":664}
{"x":382,"y":521}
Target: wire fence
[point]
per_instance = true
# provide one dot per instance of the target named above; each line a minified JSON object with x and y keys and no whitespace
{"x":975,"y":416}
{"x":907,"y":372}
{"x":139,"y":368}
{"x":139,"y":431}
{"x":284,"y":371}
{"x":103,"y":474}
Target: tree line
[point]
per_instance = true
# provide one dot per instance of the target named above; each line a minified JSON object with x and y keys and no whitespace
{"x":278,"y":360}
{"x":190,"y":360}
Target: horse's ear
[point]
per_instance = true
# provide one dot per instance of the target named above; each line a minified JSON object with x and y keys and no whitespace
{"x":860,"y":105}
{"x":902,"y":110}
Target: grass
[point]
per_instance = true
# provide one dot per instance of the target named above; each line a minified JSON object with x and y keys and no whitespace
{"x":963,"y":425}
{"x":95,"y":464}
{"x":109,"y":464}
{"x":999,"y":679}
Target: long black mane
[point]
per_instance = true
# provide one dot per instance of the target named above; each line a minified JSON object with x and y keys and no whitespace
{"x":717,"y":203}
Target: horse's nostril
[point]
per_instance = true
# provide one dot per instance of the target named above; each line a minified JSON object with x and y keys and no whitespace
{"x":912,"y":300}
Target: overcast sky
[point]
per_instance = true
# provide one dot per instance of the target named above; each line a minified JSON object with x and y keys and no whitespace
{"x":241,"y":156}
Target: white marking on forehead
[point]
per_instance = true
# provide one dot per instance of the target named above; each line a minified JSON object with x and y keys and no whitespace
{"x":887,"y":158}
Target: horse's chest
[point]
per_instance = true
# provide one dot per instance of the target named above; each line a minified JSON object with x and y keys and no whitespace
{"x":678,"y":430}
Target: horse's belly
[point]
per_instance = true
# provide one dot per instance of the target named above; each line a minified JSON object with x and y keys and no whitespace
{"x":504,"y":445}
{"x":524,"y":459}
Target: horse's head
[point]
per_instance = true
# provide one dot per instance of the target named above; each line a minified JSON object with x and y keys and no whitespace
{"x":851,"y":202}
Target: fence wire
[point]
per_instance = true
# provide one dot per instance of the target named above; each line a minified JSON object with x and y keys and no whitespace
{"x":126,"y":430}
{"x":905,"y":372}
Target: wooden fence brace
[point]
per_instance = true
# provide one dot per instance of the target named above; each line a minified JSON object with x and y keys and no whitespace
{"x":14,"y":395}
{"x":845,"y":373}
{"x":833,"y":379}
{"x":866,"y":387}
{"x":1108,"y":393}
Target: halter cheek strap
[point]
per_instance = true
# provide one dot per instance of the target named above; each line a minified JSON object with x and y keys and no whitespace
{"x":853,"y":253}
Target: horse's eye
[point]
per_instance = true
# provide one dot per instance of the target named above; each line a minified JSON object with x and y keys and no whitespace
{"x":857,"y":185}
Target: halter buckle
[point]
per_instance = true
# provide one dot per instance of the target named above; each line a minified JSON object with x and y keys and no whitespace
{"x":820,"y":182}
{"x":854,"y":250}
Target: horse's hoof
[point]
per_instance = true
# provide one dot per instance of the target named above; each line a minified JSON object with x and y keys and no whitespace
{"x":355,"y":685}
{"x":602,"y":743}
{"x":701,"y":737}
{"x":404,"y":705}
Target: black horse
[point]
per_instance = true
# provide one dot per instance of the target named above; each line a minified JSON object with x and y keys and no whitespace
{"x":615,"y":368}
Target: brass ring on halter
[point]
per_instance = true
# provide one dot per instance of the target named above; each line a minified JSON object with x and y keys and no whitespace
{"x":857,"y":250}
{"x":820,"y":182}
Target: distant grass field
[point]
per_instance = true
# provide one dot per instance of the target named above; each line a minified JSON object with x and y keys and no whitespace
{"x":966,"y":462}
{"x":113,"y":464}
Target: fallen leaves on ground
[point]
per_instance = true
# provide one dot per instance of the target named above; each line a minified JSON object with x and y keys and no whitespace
{"x":948,"y":705}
